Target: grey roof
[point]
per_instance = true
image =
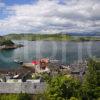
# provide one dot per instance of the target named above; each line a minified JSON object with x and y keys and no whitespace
{"x":23,"y":87}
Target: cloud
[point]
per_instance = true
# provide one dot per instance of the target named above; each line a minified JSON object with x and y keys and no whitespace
{"x":52,"y":16}
{"x":2,"y":4}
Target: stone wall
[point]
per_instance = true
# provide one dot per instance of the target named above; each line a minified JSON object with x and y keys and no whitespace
{"x":23,"y":87}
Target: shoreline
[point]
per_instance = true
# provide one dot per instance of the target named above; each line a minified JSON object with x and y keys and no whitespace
{"x":61,"y":40}
{"x":5,"y":47}
{"x":17,"y":70}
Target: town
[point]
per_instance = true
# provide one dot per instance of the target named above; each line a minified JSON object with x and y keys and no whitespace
{"x":31,"y":79}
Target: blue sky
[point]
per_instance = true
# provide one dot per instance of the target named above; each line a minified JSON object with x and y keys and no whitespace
{"x":20,"y":2}
{"x":49,"y":16}
{"x":12,"y":3}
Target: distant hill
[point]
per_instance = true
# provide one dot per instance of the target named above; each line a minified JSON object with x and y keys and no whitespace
{"x":34,"y":37}
{"x":55,"y":37}
{"x":85,"y":34}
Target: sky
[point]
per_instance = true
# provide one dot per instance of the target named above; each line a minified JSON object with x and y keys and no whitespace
{"x":49,"y":16}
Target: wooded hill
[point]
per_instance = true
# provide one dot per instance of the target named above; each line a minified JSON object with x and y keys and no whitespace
{"x":4,"y":41}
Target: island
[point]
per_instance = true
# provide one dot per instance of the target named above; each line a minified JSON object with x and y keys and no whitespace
{"x":8,"y":44}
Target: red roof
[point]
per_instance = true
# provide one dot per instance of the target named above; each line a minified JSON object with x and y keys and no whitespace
{"x":35,"y":62}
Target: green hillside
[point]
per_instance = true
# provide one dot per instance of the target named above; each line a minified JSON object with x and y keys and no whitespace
{"x":34,"y":37}
{"x":50,"y":37}
{"x":4,"y":41}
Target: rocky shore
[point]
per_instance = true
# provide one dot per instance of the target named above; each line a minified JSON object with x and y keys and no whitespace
{"x":8,"y":44}
{"x":5,"y":47}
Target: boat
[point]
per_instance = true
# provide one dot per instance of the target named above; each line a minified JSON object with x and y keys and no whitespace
{"x":16,"y":76}
{"x":17,"y":61}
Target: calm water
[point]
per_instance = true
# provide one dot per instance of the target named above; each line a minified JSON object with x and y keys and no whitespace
{"x":66,"y":52}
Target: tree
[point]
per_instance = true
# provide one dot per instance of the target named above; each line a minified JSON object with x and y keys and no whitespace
{"x":91,"y":84}
{"x":62,"y":88}
{"x":24,"y":97}
{"x":8,"y":43}
{"x":73,"y":98}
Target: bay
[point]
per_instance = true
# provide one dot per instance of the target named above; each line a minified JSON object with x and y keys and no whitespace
{"x":64,"y":51}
